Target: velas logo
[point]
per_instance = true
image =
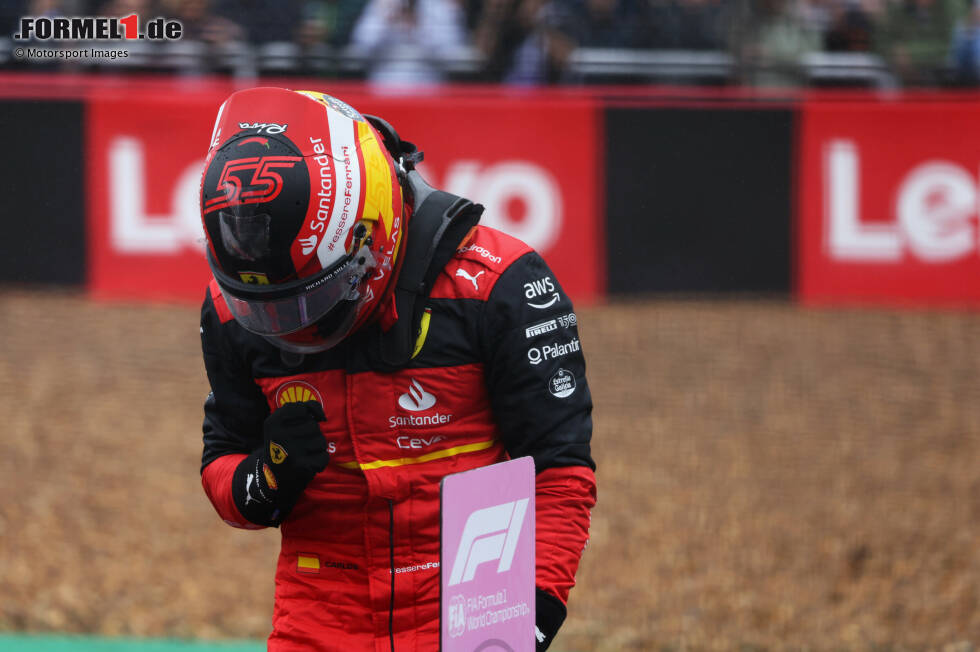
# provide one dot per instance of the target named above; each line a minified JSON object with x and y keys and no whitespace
{"x":416,"y":398}
{"x":297,"y":391}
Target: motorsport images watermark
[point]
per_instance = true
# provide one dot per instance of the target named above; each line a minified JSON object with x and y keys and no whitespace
{"x":52,"y":54}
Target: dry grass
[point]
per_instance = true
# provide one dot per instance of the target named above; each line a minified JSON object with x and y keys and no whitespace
{"x":770,"y":477}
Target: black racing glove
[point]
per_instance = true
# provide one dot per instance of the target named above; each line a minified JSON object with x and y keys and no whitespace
{"x":549,"y":614}
{"x":268,"y":482}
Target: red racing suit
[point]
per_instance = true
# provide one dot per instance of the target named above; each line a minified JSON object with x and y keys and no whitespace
{"x":497,"y":372}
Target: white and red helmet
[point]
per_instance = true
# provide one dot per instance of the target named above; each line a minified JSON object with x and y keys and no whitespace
{"x":303,"y":212}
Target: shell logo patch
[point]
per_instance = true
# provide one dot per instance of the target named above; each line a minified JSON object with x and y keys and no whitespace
{"x":270,"y":477}
{"x":277,"y":453}
{"x":297,"y":391}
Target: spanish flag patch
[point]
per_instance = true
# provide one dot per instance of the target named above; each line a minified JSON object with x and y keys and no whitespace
{"x":309,"y":564}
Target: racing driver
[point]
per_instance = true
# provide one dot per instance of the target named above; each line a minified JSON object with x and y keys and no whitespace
{"x":364,"y":337}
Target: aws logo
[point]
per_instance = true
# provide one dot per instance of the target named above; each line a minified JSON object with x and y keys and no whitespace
{"x":297,"y":391}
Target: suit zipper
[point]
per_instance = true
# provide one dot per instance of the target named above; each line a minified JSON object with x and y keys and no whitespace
{"x":391,"y":558}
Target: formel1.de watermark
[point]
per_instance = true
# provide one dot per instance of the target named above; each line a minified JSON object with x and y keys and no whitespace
{"x":89,"y":38}
{"x":97,"y":28}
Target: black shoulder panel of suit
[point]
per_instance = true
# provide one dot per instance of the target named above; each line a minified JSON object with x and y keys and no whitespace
{"x":535,"y":367}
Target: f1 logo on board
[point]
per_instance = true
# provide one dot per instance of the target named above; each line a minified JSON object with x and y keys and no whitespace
{"x":264,"y":186}
{"x":490,"y":534}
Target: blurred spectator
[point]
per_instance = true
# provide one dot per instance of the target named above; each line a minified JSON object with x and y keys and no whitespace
{"x":552,"y":34}
{"x":851,"y":28}
{"x":501,"y":27}
{"x":408,"y":42}
{"x":328,"y":21}
{"x":39,"y":8}
{"x":11,"y":11}
{"x":145,"y":9}
{"x":915,"y":37}
{"x":686,"y":24}
{"x":608,"y":23}
{"x":416,"y":42}
{"x":769,"y":40}
{"x":201,"y":22}
{"x":966,"y":48}
{"x":262,"y":21}
{"x":530,"y":41}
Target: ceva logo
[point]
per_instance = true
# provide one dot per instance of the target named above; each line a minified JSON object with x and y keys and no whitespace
{"x":490,"y":534}
{"x":935,"y":208}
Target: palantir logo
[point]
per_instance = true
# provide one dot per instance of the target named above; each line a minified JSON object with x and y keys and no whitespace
{"x":490,"y":534}
{"x":416,"y":398}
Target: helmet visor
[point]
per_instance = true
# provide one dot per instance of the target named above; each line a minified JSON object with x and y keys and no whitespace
{"x":281,"y":309}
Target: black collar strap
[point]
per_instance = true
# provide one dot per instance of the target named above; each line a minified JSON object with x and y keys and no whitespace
{"x":437,"y":227}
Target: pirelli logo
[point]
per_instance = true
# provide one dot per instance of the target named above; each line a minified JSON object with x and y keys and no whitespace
{"x":541,"y":329}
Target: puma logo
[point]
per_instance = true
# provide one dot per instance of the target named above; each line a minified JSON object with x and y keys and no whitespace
{"x":249,"y":479}
{"x":471,"y":279}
